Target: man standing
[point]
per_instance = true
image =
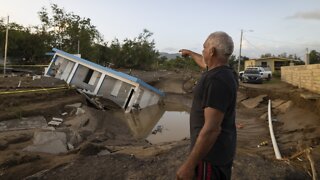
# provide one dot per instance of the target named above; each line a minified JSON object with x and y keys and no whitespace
{"x":212,"y":117}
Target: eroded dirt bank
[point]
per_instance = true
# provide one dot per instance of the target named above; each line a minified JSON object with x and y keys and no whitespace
{"x":104,"y":146}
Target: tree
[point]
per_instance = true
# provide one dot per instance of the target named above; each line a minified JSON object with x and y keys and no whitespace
{"x":22,"y":43}
{"x":283,"y":55}
{"x":136,"y":53}
{"x":233,"y":62}
{"x":66,"y":31}
{"x":314,"y":57}
{"x":266,"y":55}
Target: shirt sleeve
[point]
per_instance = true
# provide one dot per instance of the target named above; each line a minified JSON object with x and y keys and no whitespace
{"x":217,"y":95}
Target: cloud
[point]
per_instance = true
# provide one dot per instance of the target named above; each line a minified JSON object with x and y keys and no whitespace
{"x":315,"y":15}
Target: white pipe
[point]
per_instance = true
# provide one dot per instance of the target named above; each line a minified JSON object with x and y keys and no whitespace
{"x":273,"y":139}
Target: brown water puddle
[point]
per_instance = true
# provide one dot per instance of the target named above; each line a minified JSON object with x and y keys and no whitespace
{"x":159,"y":124}
{"x":173,"y":126}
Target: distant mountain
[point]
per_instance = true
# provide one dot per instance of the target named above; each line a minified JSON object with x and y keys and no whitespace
{"x":169,"y":56}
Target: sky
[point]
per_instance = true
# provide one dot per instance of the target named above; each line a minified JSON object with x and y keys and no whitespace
{"x":273,"y":26}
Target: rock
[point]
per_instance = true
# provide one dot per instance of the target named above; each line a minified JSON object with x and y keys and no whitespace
{"x":276,"y":103}
{"x":53,"y":147}
{"x":264,"y":116}
{"x":48,"y":142}
{"x":49,"y":128}
{"x":17,"y":159}
{"x":75,"y":105}
{"x":253,"y":102}
{"x":57,"y":119}
{"x":90,"y":149}
{"x":18,"y":138}
{"x":80,"y":111}
{"x":24,"y":123}
{"x":37,"y":175}
{"x":84,"y":122}
{"x":310,"y":96}
{"x":3,"y":144}
{"x":284,"y":107}
{"x":99,"y":139}
{"x":103,"y":152}
{"x":54,"y":123}
{"x":70,"y":146}
{"x":36,"y":77}
{"x":43,"y":137}
{"x":75,"y":139}
{"x":85,"y":133}
{"x":241,"y":97}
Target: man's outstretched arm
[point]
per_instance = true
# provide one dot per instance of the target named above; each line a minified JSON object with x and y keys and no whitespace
{"x":195,"y":56}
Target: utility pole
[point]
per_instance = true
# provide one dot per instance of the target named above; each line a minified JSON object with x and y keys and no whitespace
{"x":78,"y":46}
{"x":307,"y":57}
{"x":6,"y":49}
{"x":240,"y":51}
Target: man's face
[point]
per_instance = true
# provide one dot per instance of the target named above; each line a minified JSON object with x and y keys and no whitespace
{"x":206,"y":52}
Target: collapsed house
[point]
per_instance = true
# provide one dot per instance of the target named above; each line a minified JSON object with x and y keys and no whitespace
{"x":125,"y":90}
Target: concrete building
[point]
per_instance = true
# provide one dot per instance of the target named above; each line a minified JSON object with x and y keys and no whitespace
{"x":274,"y":63}
{"x":125,"y":90}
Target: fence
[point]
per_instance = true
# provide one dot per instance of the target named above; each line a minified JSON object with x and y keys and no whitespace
{"x":303,"y":76}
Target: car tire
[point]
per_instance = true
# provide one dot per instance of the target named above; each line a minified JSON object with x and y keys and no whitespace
{"x":269,"y":77}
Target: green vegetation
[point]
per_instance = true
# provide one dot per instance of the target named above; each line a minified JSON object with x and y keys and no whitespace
{"x":185,"y":63}
{"x":276,"y":74}
{"x":68,"y":32}
{"x":314,"y":57}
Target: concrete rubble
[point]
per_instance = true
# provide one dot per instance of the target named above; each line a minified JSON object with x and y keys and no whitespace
{"x":310,"y":96}
{"x":241,"y":97}
{"x":80,"y":111}
{"x":283,"y":108}
{"x":23,"y":123}
{"x":264,"y":116}
{"x":75,"y":105}
{"x":48,"y":142}
{"x":55,"y":121}
{"x":253,"y":102}
{"x":277,"y":102}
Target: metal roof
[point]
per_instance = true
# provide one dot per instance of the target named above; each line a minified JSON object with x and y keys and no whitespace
{"x":109,"y":70}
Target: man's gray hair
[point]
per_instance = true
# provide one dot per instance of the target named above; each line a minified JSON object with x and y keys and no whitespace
{"x":222,"y":42}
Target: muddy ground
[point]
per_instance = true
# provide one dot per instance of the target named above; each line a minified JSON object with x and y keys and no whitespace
{"x":102,"y":144}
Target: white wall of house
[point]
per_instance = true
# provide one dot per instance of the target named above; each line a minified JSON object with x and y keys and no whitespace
{"x":66,"y":72}
{"x":107,"y":86}
{"x":148,"y":98}
{"x":115,"y":90}
{"x":59,"y":66}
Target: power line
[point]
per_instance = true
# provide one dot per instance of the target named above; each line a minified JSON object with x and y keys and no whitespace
{"x":252,"y":44}
{"x":286,"y":42}
{"x":299,"y":53}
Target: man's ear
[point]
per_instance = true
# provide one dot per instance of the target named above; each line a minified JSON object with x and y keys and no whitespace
{"x":213,"y":51}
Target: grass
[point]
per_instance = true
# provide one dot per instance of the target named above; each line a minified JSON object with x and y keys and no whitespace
{"x":273,"y":80}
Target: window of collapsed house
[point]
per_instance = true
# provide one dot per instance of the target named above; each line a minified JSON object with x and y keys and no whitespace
{"x":116,"y":88}
{"x":91,"y":77}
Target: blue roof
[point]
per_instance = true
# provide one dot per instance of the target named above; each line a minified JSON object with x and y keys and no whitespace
{"x":117,"y":73}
